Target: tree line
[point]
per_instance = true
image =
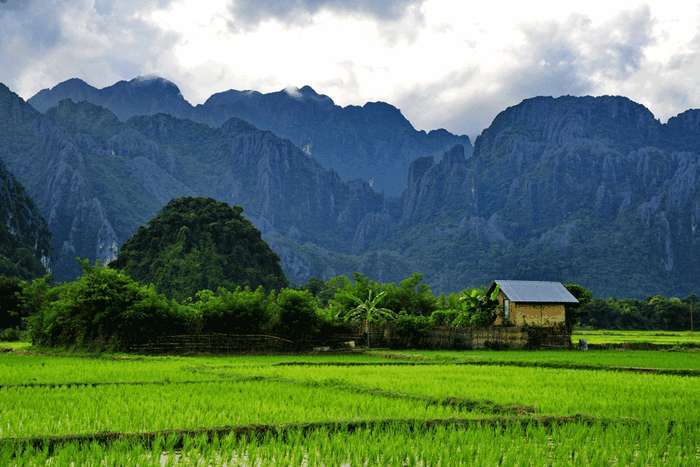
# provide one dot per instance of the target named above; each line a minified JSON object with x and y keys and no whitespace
{"x":107,"y":309}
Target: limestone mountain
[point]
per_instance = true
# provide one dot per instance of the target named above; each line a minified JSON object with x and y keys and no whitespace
{"x":373,"y":142}
{"x":199,"y":243}
{"x":588,"y":189}
{"x":593,"y":190}
{"x":24,"y":236}
{"x":97,"y":179}
{"x":143,"y":95}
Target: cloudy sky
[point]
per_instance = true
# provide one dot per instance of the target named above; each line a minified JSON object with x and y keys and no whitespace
{"x":445,"y":63}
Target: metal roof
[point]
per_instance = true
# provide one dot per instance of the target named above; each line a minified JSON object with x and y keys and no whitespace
{"x":536,"y":291}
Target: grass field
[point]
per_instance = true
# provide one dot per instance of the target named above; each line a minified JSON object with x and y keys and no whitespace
{"x":669,"y":338}
{"x":377,"y":408}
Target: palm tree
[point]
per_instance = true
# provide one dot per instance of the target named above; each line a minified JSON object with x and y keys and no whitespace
{"x":367,"y":310}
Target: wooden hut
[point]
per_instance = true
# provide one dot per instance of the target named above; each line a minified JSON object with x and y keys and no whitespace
{"x":532,"y":303}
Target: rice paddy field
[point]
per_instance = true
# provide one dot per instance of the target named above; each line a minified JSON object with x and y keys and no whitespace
{"x":661,"y":338}
{"x":601,"y":407}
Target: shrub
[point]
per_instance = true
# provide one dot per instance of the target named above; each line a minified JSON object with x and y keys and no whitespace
{"x":239,"y":311}
{"x":444,"y":317}
{"x":104,"y":309}
{"x":411,"y":296}
{"x":295,"y":314}
{"x":10,"y":335}
{"x":409,"y":330}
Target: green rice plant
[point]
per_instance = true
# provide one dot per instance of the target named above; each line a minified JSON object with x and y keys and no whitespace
{"x":689,"y":359}
{"x":572,"y":444}
{"x":552,"y":392}
{"x":638,"y":337}
{"x":70,"y":410}
{"x":51,"y":369}
{"x":650,"y":418}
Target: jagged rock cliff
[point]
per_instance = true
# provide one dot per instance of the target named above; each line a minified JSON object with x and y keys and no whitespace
{"x":24,"y":236}
{"x":594,"y":190}
{"x":97,"y":179}
{"x":374,"y":142}
{"x":587,"y":189}
{"x":144,"y":95}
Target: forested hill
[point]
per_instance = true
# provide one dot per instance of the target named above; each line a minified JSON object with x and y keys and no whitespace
{"x":373,"y":142}
{"x":199,"y":243}
{"x":24,"y":236}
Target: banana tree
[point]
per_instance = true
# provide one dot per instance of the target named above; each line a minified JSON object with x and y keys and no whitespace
{"x":478,"y":307}
{"x":367,"y":311}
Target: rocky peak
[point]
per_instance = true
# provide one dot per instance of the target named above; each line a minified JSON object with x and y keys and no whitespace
{"x":437,"y":186}
{"x":22,"y":231}
{"x":75,"y":89}
{"x":230,"y":97}
{"x":154,"y":81}
{"x":373,"y":142}
{"x":13,"y":108}
{"x":617,"y":121}
{"x":385,"y":115}
{"x":683,"y":131}
{"x":82,"y":116}
{"x":308,"y":93}
{"x":144,"y":95}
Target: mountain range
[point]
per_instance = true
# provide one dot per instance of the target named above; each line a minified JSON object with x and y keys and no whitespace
{"x":588,"y":189}
{"x":373,"y":142}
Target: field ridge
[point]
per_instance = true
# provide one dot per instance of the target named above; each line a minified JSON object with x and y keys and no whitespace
{"x":516,"y":363}
{"x":177,"y":436}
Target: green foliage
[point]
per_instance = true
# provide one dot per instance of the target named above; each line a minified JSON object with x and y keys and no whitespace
{"x":295,"y":314}
{"x":573,"y":310}
{"x":479,"y":308}
{"x":444,"y":317}
{"x":408,"y":330}
{"x":239,"y":311}
{"x":411,"y":296}
{"x":366,"y":311}
{"x":10,"y":303}
{"x":582,"y":294}
{"x":103,"y":309}
{"x":655,"y":312}
{"x":107,"y":309}
{"x":195,"y":244}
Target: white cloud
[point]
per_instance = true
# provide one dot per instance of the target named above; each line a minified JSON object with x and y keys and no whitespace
{"x":445,"y":63}
{"x":253,"y":12}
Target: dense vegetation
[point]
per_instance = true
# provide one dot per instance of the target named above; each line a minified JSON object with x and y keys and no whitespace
{"x":655,"y":312}
{"x":24,"y":236}
{"x":199,"y":243}
{"x":107,"y":309}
